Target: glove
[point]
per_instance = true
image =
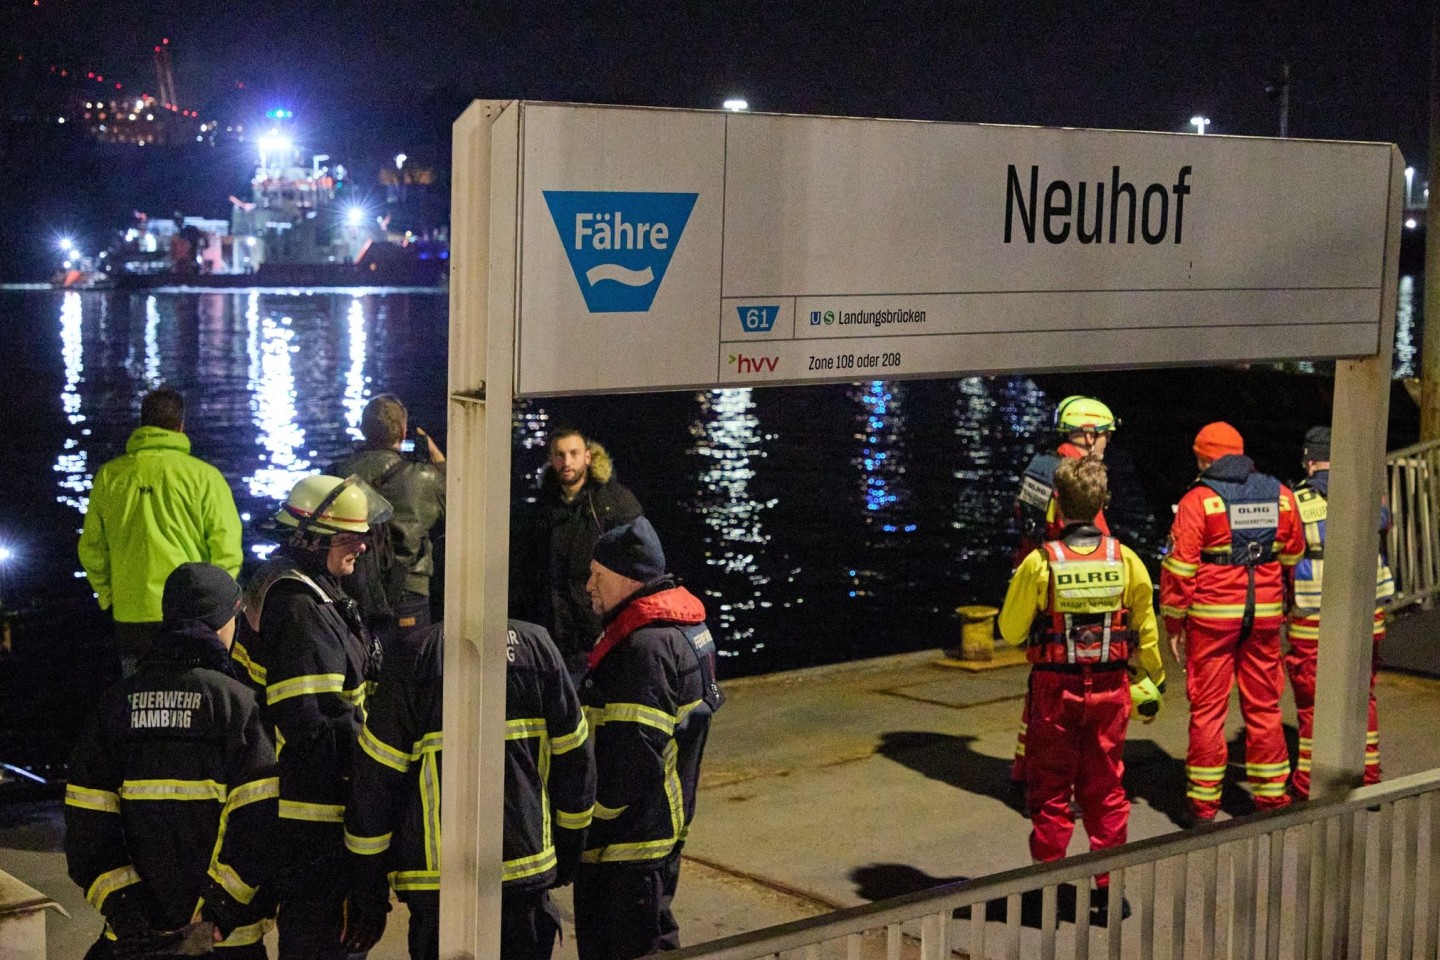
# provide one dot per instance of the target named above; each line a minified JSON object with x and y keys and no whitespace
{"x":568,"y":846}
{"x":366,"y":904}
{"x":127,"y":916}
{"x":1145,"y":700}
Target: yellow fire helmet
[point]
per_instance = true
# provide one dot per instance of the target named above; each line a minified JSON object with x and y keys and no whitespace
{"x":1084,"y":413}
{"x":325,"y":506}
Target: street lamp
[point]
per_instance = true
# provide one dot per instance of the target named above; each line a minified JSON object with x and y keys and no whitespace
{"x":66,"y":244}
{"x":1199,"y":123}
{"x":1409,"y":184}
{"x":736,"y":104}
{"x":6,"y":555}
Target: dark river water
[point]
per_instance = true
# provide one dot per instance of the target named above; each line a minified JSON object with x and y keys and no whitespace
{"x":819,"y":524}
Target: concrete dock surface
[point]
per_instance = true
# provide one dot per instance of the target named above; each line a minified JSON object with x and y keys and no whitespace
{"x":838,"y":786}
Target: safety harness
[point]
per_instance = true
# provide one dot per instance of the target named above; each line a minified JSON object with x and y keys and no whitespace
{"x":1252,"y":510}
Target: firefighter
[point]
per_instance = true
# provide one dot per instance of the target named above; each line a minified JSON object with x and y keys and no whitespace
{"x":1304,"y":622}
{"x":1081,"y":604}
{"x":171,"y":803}
{"x":1086,"y":425}
{"x":648,"y":697}
{"x":392,"y":822}
{"x":1222,"y":594}
{"x":308,"y":653}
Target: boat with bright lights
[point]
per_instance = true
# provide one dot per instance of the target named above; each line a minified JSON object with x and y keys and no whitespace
{"x":299,"y":227}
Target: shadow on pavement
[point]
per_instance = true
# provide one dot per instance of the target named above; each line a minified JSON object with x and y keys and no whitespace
{"x":881,"y":881}
{"x":952,"y":760}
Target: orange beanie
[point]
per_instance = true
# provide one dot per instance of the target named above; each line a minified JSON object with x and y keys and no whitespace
{"x":1218,"y":439}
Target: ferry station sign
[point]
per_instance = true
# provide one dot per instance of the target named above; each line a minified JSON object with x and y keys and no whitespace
{"x":663,"y":249}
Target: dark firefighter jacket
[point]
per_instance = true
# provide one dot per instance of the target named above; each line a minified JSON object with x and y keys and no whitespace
{"x":648,"y":697}
{"x":172,"y":793}
{"x":309,"y":658}
{"x":417,"y":492}
{"x":554,"y":542}
{"x":394,"y":812}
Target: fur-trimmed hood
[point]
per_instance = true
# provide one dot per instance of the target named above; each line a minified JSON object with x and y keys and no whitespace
{"x":602,"y":469}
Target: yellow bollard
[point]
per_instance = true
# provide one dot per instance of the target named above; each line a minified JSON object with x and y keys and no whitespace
{"x":977,"y":633}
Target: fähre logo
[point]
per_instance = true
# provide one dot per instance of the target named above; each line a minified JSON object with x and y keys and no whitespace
{"x":619,"y":244}
{"x":744,"y":364}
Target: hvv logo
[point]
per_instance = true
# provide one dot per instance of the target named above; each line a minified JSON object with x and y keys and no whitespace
{"x":619,"y":244}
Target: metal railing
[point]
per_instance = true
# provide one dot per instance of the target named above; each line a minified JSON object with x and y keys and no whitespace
{"x":1356,"y":878}
{"x":1413,"y":543}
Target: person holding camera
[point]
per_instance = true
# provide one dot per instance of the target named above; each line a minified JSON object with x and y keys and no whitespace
{"x":392,"y":583}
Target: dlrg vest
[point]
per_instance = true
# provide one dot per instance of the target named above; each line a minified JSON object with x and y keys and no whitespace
{"x":1087,"y":622}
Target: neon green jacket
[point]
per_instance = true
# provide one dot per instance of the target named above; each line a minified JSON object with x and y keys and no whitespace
{"x":151,"y":510}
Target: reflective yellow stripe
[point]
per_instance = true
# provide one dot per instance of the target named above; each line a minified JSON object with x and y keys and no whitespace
{"x":301,"y":686}
{"x":1290,"y":559}
{"x":355,"y":696}
{"x":415,"y":880}
{"x":572,"y":740}
{"x":1180,"y":568}
{"x":246,"y":935}
{"x":1174,"y":613}
{"x":1273,"y":789}
{"x":173,"y":790}
{"x":523,"y":728}
{"x":1234,"y":611}
{"x":574,"y":821}
{"x":1303,"y":764}
{"x":430,"y":743}
{"x":649,"y":850}
{"x":1267,"y":770}
{"x":430,"y":809}
{"x":313,"y":812}
{"x":367,"y":846}
{"x":88,"y":799}
{"x":1205,"y":773}
{"x":230,"y":880}
{"x":253,"y":792}
{"x":109,"y":882}
{"x":1197,"y":792}
{"x":382,"y":753}
{"x":602,"y":812}
{"x":528,"y":866}
{"x":240,"y":655}
{"x":633,"y":713}
{"x":1304,"y":631}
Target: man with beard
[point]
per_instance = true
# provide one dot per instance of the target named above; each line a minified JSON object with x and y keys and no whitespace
{"x":579,"y":500}
{"x":311,"y":658}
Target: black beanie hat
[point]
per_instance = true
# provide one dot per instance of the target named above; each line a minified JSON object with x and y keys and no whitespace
{"x":200,"y":591}
{"x":1317,"y":445}
{"x":632,"y":550}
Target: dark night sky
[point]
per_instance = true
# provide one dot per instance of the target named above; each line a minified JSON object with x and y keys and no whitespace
{"x":1360,"y":69}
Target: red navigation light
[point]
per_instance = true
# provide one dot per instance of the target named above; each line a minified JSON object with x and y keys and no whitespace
{"x":91,"y":75}
{"x":165,"y":40}
{"x":118,"y":87}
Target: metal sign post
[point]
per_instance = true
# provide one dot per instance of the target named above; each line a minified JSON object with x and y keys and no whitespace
{"x":616,"y":249}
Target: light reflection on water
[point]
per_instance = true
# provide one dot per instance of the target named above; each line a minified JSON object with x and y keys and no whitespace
{"x":844,"y":517}
{"x":1406,"y":341}
{"x":728,"y":443}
